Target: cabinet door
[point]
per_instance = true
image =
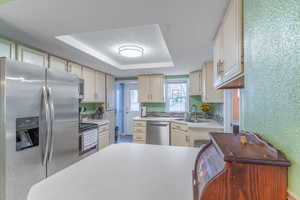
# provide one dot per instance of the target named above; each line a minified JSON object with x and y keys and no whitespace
{"x":7,"y":49}
{"x":100,"y":87}
{"x":57,"y":64}
{"x":232,"y":34}
{"x":218,"y":57}
{"x":103,"y":140}
{"x":179,"y":139}
{"x":75,"y":69}
{"x":195,"y":83}
{"x":157,"y":88}
{"x":144,"y":89}
{"x":209,"y":93}
{"x":28,"y":55}
{"x":110,"y":92}
{"x":89,"y":84}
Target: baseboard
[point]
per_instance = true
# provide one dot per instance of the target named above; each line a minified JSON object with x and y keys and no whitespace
{"x":292,"y":196}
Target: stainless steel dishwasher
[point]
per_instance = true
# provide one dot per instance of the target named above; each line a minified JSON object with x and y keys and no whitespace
{"x":158,"y":133}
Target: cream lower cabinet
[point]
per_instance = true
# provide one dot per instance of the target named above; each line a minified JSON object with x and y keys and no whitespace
{"x":179,"y":135}
{"x":139,"y":132}
{"x":151,"y":88}
{"x":57,"y":64}
{"x":103,"y":132}
{"x":7,"y":49}
{"x":228,"y":48}
{"x":209,"y":93}
{"x":32,"y":56}
{"x":196,"y":83}
{"x":201,"y":134}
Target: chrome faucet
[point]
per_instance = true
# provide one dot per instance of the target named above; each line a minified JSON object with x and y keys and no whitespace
{"x":194,"y":111}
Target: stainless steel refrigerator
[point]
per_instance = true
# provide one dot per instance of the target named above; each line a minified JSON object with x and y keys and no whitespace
{"x":38,"y":124}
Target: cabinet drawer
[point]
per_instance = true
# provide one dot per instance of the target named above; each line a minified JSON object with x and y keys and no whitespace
{"x":139,"y":123}
{"x":140,"y":130}
{"x":139,"y":137}
{"x":104,"y":132}
{"x":181,"y":127}
{"x":103,"y":128}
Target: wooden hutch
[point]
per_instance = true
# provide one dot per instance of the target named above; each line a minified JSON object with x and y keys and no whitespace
{"x":240,"y":167}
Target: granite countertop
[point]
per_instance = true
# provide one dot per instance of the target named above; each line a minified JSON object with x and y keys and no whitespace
{"x":209,"y":124}
{"x":124,"y":171}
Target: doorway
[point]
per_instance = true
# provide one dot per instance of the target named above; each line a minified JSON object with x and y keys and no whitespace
{"x":132,"y":107}
{"x":127,"y":107}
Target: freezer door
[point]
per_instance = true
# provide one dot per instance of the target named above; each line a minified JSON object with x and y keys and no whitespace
{"x":63,"y":91}
{"x":21,"y":90}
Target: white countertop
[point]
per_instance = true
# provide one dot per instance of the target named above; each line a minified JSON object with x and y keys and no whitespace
{"x":209,"y":124}
{"x":124,"y":171}
{"x":96,"y":121}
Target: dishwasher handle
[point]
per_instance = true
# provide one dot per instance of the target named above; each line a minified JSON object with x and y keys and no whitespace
{"x":159,"y":124}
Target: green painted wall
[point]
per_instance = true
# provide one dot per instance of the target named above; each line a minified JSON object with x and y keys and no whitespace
{"x":3,"y":1}
{"x":270,"y":102}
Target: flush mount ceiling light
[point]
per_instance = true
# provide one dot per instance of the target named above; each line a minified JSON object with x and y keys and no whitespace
{"x":131,"y":51}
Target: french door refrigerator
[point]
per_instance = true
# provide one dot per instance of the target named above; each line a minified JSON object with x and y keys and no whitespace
{"x":38,"y":124}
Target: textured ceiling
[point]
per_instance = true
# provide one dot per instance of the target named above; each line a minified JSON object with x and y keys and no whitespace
{"x":188,"y":27}
{"x":107,"y":43}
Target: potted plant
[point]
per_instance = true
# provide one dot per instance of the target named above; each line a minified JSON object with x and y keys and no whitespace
{"x":206,"y":108}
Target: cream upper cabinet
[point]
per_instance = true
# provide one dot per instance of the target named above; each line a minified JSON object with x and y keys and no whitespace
{"x":89,"y":84}
{"x":151,"y":88}
{"x":32,"y":56}
{"x":229,"y":65}
{"x":110,"y":92}
{"x":157,"y":88}
{"x":196,"y":83}
{"x":144,"y":88}
{"x":218,"y":57}
{"x":75,"y":69}
{"x":209,"y":93}
{"x":100,"y":87}
{"x":7,"y":49}
{"x":57,"y":63}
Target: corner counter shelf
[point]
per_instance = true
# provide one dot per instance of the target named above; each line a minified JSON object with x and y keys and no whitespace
{"x":228,"y":169}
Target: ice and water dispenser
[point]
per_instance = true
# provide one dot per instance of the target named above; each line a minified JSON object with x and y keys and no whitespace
{"x":27,"y":133}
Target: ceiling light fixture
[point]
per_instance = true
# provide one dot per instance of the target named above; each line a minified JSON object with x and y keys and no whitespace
{"x":131,"y":51}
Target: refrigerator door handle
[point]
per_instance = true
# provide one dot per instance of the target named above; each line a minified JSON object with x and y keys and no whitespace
{"x":46,"y":107}
{"x":51,"y":123}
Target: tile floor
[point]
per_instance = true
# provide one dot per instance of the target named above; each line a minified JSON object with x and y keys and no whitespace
{"x":124,"y":139}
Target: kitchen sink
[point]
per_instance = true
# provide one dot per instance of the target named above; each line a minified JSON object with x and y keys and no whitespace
{"x":194,"y":120}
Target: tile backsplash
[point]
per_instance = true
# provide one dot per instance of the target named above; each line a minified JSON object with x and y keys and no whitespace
{"x":216,"y":113}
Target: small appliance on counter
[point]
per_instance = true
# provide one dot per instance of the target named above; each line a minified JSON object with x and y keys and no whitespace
{"x":143,"y":111}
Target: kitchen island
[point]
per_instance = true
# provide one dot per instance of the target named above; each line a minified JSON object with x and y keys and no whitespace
{"x":124,"y":171}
